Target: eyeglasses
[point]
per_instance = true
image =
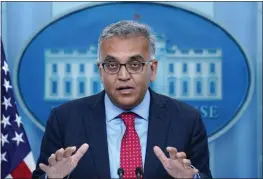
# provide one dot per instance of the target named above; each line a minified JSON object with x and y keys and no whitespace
{"x":131,"y":66}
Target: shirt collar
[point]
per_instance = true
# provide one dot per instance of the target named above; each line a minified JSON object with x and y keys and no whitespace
{"x":141,"y":110}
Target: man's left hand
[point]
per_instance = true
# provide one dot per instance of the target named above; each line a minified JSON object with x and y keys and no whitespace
{"x":176,"y":165}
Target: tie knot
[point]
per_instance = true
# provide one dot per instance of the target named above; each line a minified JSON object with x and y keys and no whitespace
{"x":128,"y":119}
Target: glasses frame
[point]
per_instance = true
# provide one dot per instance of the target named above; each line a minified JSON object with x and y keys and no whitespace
{"x":101,"y":64}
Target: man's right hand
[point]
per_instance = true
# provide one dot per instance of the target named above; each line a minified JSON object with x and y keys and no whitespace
{"x":63,"y":162}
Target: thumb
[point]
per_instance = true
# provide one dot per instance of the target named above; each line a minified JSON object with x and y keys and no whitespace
{"x":43,"y":167}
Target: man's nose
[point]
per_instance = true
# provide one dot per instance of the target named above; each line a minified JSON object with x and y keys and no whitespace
{"x":123,"y":73}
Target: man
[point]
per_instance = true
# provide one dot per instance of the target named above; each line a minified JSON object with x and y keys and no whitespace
{"x":127,"y":125}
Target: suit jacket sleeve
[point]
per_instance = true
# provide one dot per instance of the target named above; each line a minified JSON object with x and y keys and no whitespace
{"x":199,"y":152}
{"x":51,"y":142}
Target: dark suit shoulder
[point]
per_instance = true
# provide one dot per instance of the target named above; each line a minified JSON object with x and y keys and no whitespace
{"x":70,"y":113}
{"x":81,"y":103}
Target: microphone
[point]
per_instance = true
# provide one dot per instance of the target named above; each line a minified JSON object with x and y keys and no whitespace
{"x":120,"y":172}
{"x":138,"y":172}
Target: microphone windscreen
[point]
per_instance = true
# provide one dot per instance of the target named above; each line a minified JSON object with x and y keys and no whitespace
{"x":120,"y":171}
{"x":138,"y":170}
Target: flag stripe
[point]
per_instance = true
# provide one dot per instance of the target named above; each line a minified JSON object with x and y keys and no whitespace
{"x":28,"y":160}
{"x":21,"y":171}
{"x":9,"y":176}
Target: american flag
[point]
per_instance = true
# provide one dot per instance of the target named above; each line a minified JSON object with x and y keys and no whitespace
{"x":16,"y":156}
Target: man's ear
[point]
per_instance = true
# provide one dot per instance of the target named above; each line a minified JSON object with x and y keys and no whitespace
{"x":154,"y":70}
{"x":100,"y":70}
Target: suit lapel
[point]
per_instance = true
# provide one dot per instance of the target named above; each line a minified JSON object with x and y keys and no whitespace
{"x":95,"y":126}
{"x":159,"y":121}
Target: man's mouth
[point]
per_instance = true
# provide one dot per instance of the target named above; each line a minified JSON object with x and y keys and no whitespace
{"x":125,"y":89}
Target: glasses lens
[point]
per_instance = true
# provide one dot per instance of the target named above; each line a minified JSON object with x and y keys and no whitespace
{"x":111,"y":67}
{"x":134,"y":67}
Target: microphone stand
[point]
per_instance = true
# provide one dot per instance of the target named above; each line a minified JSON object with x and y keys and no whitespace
{"x":120,"y":173}
{"x":138,"y":172}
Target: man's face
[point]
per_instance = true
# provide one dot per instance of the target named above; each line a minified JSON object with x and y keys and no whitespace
{"x":126,"y":90}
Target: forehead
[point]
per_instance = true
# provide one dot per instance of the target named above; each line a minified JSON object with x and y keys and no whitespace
{"x":125,"y":47}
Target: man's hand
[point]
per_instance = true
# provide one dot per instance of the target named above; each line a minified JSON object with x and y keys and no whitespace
{"x":63,"y":162}
{"x":177,"y":165}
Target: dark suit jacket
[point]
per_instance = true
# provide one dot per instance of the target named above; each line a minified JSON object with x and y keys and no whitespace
{"x":171,"y":123}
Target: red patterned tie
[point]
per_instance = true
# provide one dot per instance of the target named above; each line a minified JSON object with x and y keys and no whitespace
{"x":131,"y":156}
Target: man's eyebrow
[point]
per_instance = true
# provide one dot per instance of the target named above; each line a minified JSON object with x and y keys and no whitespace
{"x":136,"y":57}
{"x":109,"y":58}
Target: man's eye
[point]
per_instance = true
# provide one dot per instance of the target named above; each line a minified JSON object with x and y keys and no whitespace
{"x":112,"y":65}
{"x":135,"y":64}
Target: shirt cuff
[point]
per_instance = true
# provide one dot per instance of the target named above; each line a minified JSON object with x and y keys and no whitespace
{"x":65,"y":177}
{"x":197,"y":176}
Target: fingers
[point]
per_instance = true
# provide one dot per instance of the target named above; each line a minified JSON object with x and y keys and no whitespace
{"x":172,"y":152}
{"x":59,"y":154}
{"x":181,"y":156}
{"x":161,"y":156}
{"x":186,"y":163}
{"x":68,"y":151}
{"x":80,"y":152}
{"x":43,"y":167}
{"x":52,"y":160}
{"x":195,"y":171}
